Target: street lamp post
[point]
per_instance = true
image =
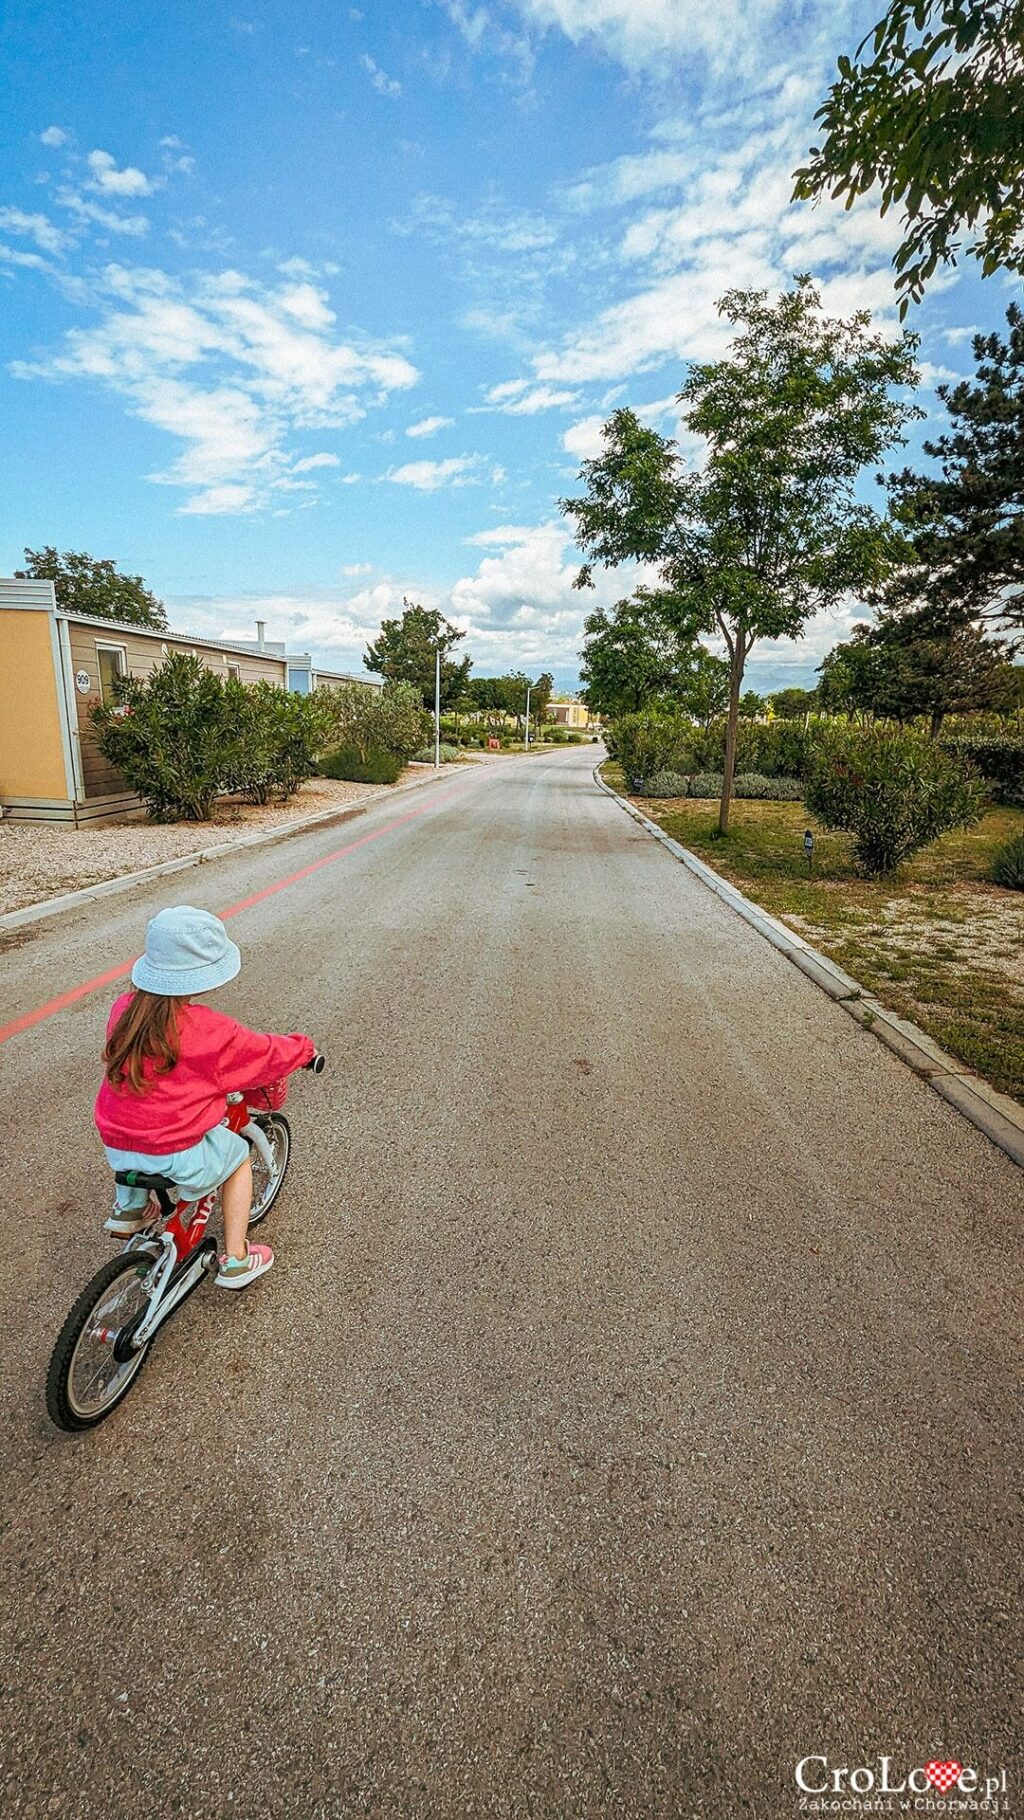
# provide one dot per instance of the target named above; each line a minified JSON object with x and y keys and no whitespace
{"x":437,"y":709}
{"x":528,"y":688}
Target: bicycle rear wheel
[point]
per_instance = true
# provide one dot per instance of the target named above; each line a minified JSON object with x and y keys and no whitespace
{"x":86,"y":1380}
{"x":267,"y":1183}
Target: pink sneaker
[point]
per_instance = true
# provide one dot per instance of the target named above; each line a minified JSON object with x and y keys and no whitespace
{"x":238,"y":1273}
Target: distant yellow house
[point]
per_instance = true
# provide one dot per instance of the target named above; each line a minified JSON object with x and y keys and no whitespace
{"x":56,"y":666}
{"x":569,"y":713}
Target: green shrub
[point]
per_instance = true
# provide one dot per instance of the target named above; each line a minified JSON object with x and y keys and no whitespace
{"x":1008,"y":864}
{"x":666,"y":783}
{"x":706,"y":783}
{"x":768,"y":789}
{"x":447,"y":754}
{"x":167,"y":735}
{"x":998,"y":756}
{"x":375,"y":766}
{"x":649,"y":742}
{"x":892,"y":789}
{"x":391,"y":719}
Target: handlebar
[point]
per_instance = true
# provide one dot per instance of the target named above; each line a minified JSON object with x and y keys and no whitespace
{"x":316,"y":1065}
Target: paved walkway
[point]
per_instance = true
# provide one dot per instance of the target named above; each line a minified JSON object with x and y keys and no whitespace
{"x":634,"y":1409}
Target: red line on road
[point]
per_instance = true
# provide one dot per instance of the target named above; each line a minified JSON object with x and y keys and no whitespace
{"x":53,"y":1005}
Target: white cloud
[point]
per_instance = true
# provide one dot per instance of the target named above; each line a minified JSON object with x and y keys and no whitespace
{"x":583,"y":439}
{"x":493,"y":224}
{"x":309,"y":462}
{"x":382,"y":82}
{"x":732,"y":225}
{"x":540,"y":398}
{"x":644,"y":34}
{"x":84,"y":210}
{"x":53,"y":136}
{"x":48,"y":237}
{"x":110,"y":181}
{"x":357,"y":568}
{"x":219,"y":500}
{"x":230,"y":368}
{"x":32,"y":262}
{"x":429,"y":426}
{"x":429,"y":476}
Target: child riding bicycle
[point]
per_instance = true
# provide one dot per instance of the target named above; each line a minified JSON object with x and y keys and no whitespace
{"x":169,"y":1066}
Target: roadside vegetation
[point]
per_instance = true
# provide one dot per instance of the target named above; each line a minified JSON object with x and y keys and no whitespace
{"x":940,"y":941}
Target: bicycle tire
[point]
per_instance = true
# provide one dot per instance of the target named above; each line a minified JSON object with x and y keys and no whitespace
{"x":60,"y":1399}
{"x":279,"y":1131}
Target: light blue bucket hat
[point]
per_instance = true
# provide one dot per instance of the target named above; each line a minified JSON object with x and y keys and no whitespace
{"x":187,"y":951}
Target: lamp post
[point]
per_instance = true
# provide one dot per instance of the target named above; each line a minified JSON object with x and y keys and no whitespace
{"x":437,"y":709}
{"x":529,"y":686}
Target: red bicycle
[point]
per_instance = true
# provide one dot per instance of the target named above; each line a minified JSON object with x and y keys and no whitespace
{"x":104,"y":1342}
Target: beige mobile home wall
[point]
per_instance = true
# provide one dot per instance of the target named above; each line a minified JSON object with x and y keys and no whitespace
{"x":144,"y":652}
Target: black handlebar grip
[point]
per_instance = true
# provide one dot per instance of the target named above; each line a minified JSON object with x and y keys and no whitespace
{"x":317,"y":1065}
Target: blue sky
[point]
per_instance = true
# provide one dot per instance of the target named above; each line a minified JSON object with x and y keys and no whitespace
{"x":305,"y":308}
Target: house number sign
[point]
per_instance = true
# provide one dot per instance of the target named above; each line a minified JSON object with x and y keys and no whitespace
{"x":83,"y":682}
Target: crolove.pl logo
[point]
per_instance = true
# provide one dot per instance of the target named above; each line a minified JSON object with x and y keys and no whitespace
{"x":940,"y":1786}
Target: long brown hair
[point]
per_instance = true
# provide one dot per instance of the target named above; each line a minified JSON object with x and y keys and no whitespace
{"x":146,"y":1029}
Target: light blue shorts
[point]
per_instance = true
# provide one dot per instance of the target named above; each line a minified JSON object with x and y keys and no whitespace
{"x":194,"y":1171}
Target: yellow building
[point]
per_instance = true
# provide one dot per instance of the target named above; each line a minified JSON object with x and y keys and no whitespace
{"x":56,"y":666}
{"x":569,"y":714}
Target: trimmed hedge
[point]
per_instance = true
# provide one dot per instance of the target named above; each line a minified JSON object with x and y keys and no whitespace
{"x":998,"y":756}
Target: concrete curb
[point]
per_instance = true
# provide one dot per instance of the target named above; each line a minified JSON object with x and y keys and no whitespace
{"x":109,"y":887}
{"x":995,"y":1114}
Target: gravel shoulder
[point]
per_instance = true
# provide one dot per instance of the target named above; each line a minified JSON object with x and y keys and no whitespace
{"x":40,"y":860}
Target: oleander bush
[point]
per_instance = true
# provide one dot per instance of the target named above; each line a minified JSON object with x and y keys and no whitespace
{"x":648,"y":742}
{"x":353,"y":765}
{"x":1008,"y":864}
{"x":892,"y":789}
{"x":657,"y":740}
{"x":391,"y":719}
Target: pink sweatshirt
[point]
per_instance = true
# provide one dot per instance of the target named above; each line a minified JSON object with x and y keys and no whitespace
{"x":217,"y":1057}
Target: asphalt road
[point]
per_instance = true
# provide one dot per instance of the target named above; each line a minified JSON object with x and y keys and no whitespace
{"x":634,"y":1410}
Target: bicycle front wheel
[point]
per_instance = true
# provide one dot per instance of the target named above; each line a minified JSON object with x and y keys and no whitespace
{"x":87,"y":1378}
{"x":267,"y":1183}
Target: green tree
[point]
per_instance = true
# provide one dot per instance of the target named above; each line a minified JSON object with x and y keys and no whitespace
{"x":793,"y":704}
{"x":86,"y":584}
{"x":541,"y":697}
{"x":633,"y":654}
{"x":405,"y":651}
{"x":922,"y":662}
{"x":965,"y":523}
{"x":847,"y":675}
{"x":752,"y":705}
{"x":769,"y":532}
{"x":703,"y":687}
{"x":932,"y":114}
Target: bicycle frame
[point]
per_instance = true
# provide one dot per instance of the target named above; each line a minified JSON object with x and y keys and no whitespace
{"x":185,"y":1253}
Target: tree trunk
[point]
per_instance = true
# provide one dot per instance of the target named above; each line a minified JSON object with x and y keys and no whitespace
{"x":938,"y":716}
{"x":736,"y":667}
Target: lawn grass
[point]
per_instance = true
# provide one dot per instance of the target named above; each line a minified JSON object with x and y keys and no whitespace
{"x":939,"y":943}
